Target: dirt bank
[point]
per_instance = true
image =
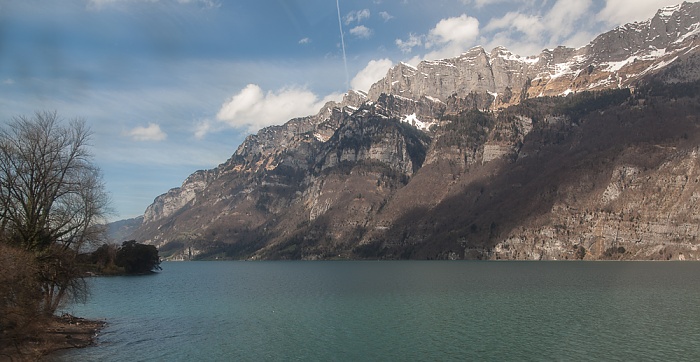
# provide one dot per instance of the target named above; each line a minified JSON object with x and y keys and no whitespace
{"x":60,"y":333}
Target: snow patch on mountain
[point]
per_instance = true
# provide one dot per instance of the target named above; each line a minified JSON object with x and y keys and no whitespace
{"x":413,"y":120}
{"x":562,"y":69}
{"x":432,"y":99}
{"x":668,"y":11}
{"x":505,"y":54}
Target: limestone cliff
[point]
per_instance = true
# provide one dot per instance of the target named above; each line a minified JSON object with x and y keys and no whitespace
{"x":573,"y":153}
{"x":615,"y":59}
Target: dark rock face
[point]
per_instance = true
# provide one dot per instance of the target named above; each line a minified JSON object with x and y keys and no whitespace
{"x":489,"y":155}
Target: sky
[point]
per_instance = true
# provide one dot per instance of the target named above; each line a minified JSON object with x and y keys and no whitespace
{"x":169,"y":87}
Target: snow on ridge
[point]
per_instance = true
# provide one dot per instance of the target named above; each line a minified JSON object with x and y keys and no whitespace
{"x":668,"y":11}
{"x":440,"y":62}
{"x":652,"y":55}
{"x":433,"y":99}
{"x":600,"y":83}
{"x":408,"y":65}
{"x":695,"y":29}
{"x":358,"y":92}
{"x":561,"y":69}
{"x":616,"y":66}
{"x":691,"y":49}
{"x":530,"y":59}
{"x":413,"y":120}
{"x":661,"y":64}
{"x":505,"y":54}
{"x":402,"y":97}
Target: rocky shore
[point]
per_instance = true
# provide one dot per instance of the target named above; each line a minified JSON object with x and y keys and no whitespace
{"x":61,"y":333}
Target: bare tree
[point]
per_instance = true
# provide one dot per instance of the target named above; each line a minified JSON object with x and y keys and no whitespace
{"x":52,"y":198}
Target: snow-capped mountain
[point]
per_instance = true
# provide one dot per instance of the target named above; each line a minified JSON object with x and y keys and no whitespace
{"x":571,"y":153}
{"x":616,"y":59}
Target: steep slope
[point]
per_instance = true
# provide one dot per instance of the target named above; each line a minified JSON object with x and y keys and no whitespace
{"x":591,"y":177}
{"x":286,"y":176}
{"x":470,"y":157}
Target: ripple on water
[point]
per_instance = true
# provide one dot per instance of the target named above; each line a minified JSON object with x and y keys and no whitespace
{"x":397,"y":311}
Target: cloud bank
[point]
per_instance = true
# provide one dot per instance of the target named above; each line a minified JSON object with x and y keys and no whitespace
{"x":101,"y":4}
{"x":253,"y":109}
{"x":449,"y":38}
{"x":535,"y":25}
{"x":361,"y":31}
{"x":357,"y":16}
{"x":152,"y":132}
{"x":374,"y":71}
{"x":618,"y":12}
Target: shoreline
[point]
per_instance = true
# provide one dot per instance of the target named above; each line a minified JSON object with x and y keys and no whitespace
{"x":61,"y":333}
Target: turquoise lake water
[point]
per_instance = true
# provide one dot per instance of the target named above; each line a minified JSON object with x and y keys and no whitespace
{"x":397,"y":311}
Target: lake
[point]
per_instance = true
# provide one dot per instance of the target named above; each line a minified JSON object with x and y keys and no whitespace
{"x":397,"y":311}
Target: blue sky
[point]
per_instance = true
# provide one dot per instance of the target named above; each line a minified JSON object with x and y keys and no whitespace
{"x":172,"y":86}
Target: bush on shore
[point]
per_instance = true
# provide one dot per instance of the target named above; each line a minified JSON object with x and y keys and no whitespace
{"x":130,"y":258}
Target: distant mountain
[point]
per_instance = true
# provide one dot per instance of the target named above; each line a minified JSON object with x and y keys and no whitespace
{"x":616,"y":59}
{"x":121,"y":230}
{"x":575,"y":153}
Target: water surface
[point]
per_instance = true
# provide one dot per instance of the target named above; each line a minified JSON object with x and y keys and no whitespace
{"x":403,"y":310}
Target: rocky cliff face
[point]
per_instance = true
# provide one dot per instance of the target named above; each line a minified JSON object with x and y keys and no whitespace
{"x":488,"y":155}
{"x":614,"y":59}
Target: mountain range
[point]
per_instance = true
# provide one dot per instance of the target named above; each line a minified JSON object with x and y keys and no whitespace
{"x":588,"y":153}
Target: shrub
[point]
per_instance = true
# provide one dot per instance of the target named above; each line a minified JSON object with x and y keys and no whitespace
{"x":137,"y":258}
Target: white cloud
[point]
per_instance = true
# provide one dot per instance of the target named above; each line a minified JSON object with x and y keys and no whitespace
{"x":254,"y":109}
{"x":537,"y":24}
{"x":618,"y":12}
{"x":150,"y":133}
{"x":530,"y":25}
{"x":563,"y":14}
{"x":450,"y":37}
{"x":305,"y":41}
{"x":530,"y":30}
{"x":460,"y":29}
{"x":414,"y":61}
{"x":357,"y":16}
{"x":8,"y":81}
{"x":374,"y":71}
{"x":413,"y":41}
{"x":100,"y":4}
{"x":386,"y":16}
{"x":580,"y":39}
{"x":481,"y":3}
{"x":361,"y":31}
{"x":203,"y":127}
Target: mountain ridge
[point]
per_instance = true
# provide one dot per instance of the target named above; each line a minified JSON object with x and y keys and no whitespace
{"x":511,"y":77}
{"x":377,"y":175}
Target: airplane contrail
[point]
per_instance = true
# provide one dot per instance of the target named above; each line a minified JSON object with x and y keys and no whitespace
{"x":342,"y":43}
